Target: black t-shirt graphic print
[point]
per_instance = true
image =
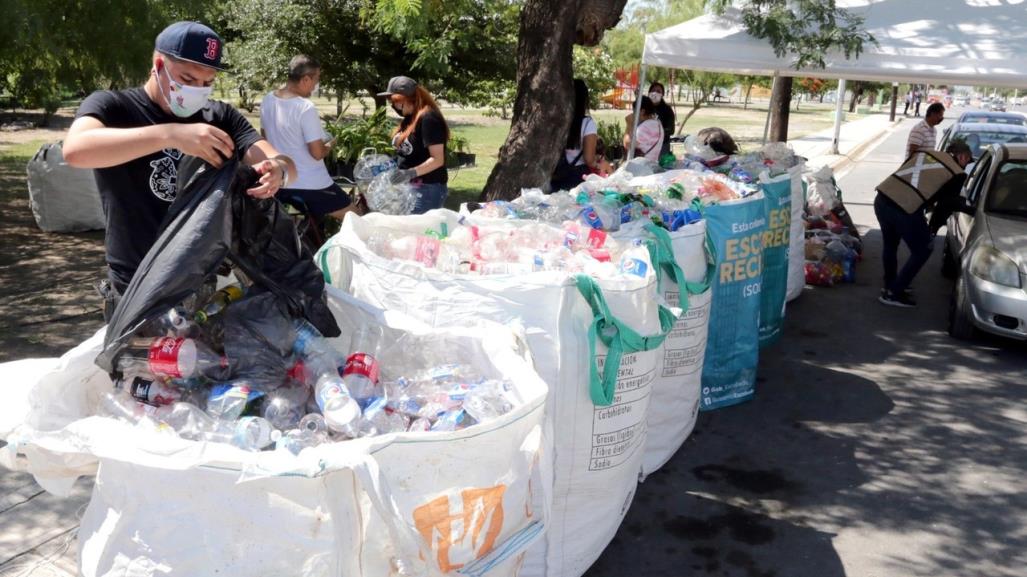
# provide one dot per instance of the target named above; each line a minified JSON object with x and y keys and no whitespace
{"x":413,"y":151}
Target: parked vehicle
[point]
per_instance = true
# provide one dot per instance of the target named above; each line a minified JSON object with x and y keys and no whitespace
{"x":986,"y":250}
{"x":993,"y":117}
{"x":979,"y":136}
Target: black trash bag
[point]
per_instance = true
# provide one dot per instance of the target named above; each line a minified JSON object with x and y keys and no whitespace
{"x":258,"y":340}
{"x":213,"y":222}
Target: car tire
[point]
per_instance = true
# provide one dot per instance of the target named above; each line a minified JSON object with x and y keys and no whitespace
{"x":949,"y":266}
{"x":961,"y":324}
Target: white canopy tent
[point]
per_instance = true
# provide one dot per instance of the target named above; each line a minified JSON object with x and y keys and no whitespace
{"x":965,"y":42}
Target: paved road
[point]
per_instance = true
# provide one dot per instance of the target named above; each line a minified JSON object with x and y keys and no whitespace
{"x":876,"y":445}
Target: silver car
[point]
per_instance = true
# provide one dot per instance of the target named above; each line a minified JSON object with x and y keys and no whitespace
{"x":988,"y":250}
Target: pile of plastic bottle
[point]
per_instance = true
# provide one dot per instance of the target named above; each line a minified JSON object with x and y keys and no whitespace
{"x":644,"y":192}
{"x":177,"y":379}
{"x":574,"y":246}
{"x":831,"y":256}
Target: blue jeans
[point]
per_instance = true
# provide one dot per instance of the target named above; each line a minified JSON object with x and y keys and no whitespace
{"x":430,"y":195}
{"x":896,"y":226}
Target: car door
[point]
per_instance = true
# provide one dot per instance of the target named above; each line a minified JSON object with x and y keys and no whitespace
{"x":945,"y":138}
{"x":973,"y":189}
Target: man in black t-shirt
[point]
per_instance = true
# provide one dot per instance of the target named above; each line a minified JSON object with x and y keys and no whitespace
{"x":135,"y":138}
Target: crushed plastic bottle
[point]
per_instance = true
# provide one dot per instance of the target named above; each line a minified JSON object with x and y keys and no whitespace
{"x":248,"y":433}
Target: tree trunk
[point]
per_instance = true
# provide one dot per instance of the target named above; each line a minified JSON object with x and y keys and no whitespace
{"x":780,"y":106}
{"x":544,"y":82}
{"x":857,"y":94}
{"x":748,"y":92}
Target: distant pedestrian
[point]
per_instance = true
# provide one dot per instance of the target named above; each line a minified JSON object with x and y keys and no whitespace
{"x":290,"y":122}
{"x":930,"y":178}
{"x":923,"y":136}
{"x":918,"y":97}
{"x":909,"y":100}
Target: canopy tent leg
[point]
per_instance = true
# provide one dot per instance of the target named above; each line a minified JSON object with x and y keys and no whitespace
{"x":638,"y":112}
{"x":838,"y":116}
{"x":770,"y":109}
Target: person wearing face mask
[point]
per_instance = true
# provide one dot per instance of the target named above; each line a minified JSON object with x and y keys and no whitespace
{"x":290,"y":122}
{"x":420,"y":142}
{"x":134,"y":140}
{"x":664,"y":113}
{"x":648,"y":136}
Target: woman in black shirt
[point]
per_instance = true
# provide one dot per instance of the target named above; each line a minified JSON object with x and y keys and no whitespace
{"x":420,"y":142}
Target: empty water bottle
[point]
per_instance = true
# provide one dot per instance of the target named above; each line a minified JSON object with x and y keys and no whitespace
{"x":248,"y":433}
{"x":228,"y":401}
{"x":339,"y":409}
{"x":285,"y":406}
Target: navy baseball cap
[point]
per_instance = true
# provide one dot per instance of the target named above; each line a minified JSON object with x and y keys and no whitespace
{"x":192,"y":42}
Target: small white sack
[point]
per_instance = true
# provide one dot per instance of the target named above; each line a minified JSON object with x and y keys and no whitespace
{"x":598,"y":450}
{"x":797,"y":242}
{"x":470,"y":501}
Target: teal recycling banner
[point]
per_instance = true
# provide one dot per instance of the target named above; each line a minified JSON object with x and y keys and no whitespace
{"x":776,"y":240}
{"x":735,"y":233}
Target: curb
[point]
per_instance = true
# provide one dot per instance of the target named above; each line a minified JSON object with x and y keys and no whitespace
{"x":848,"y":158}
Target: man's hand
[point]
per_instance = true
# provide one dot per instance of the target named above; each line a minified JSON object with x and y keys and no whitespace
{"x":272,"y":173}
{"x":202,"y":140}
{"x":403,"y":176}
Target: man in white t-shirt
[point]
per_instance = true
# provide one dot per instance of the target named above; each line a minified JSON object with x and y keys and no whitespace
{"x":290,"y":122}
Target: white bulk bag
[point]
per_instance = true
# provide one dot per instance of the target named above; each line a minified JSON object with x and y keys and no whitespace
{"x":797,"y":242}
{"x":469,"y":501}
{"x":674,"y":407}
{"x":63,"y":198}
{"x":598,"y":450}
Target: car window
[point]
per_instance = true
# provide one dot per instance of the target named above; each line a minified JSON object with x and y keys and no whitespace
{"x":1008,"y":193}
{"x":977,"y":178}
{"x":978,"y":141}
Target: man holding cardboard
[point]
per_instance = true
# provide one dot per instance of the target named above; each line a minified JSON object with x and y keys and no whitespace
{"x":901,"y":204}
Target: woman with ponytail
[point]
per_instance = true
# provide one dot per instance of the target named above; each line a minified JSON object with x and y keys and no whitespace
{"x":420,"y":143}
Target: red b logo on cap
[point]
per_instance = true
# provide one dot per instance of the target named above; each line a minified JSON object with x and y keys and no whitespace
{"x":212,"y":49}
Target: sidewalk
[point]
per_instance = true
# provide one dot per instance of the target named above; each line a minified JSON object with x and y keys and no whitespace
{"x":854,"y":137}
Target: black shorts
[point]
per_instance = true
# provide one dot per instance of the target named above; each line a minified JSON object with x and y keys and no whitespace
{"x":317,"y":202}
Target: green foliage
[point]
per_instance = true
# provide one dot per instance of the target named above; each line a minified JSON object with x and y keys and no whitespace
{"x":611,"y":134}
{"x":595,"y":67}
{"x":625,"y":42}
{"x":53,"y":47}
{"x":803,"y":29}
{"x":352,"y":137}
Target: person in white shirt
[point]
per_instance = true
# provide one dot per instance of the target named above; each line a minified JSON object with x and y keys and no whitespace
{"x":923,"y":136}
{"x":648,"y":137}
{"x":289,"y":120}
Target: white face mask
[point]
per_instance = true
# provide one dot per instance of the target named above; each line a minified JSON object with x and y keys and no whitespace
{"x":656,"y":97}
{"x":183,"y":100}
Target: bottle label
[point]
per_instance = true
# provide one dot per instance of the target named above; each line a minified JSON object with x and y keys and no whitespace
{"x":634,"y":266}
{"x":362,"y":364}
{"x":151,"y":392}
{"x":596,"y":238}
{"x":163,"y":357}
{"x":592,"y":218}
{"x":427,"y":251}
